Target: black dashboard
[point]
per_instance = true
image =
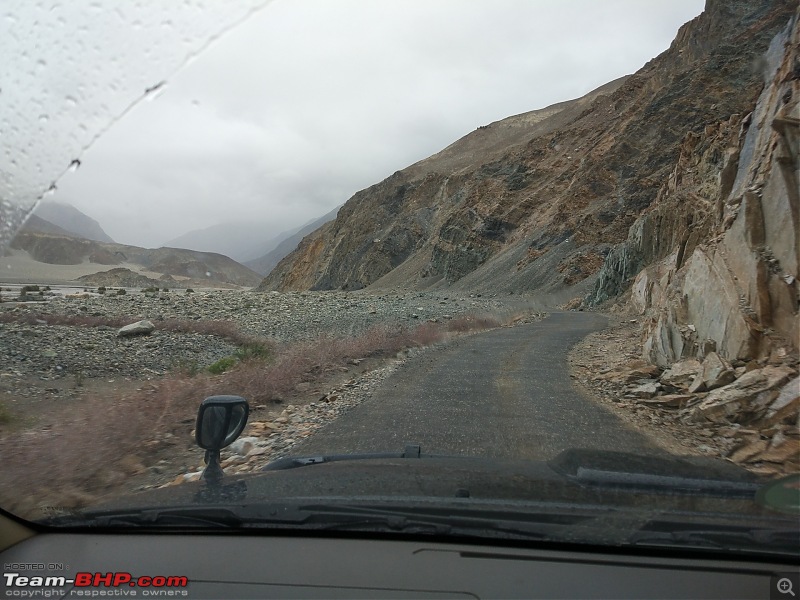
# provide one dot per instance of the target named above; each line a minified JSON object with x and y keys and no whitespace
{"x":277,"y":566}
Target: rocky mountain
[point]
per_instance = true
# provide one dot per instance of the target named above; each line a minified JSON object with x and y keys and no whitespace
{"x":70,"y":219}
{"x":286,"y":242}
{"x":37,"y":224}
{"x":175,"y":266}
{"x":539,"y":201}
{"x":714,"y":259}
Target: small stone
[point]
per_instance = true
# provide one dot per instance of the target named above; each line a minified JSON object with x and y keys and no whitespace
{"x":243,"y":446}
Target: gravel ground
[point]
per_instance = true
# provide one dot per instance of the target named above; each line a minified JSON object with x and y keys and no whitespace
{"x":45,"y":353}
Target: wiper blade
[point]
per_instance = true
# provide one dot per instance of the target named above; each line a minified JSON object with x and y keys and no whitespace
{"x":200,"y":516}
{"x":294,"y":462}
{"x":753,"y":540}
{"x":543,"y":524}
{"x":673,"y":484}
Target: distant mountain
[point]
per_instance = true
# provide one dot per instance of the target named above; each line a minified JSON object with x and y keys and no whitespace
{"x":239,"y":240}
{"x":39,"y":225}
{"x":176,"y":267}
{"x":68,"y":218}
{"x":286,"y":242}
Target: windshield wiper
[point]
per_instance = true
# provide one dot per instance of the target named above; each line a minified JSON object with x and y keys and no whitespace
{"x":546,"y":522}
{"x":543,"y":524}
{"x":204,"y":517}
{"x":766,"y":540}
{"x":294,"y":462}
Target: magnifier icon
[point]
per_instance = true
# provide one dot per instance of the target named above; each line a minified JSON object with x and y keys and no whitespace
{"x":784,"y":586}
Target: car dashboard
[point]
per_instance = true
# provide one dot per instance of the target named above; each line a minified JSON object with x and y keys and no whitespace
{"x":279,"y":565}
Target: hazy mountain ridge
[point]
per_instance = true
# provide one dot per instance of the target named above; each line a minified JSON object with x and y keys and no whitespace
{"x":68,"y":218}
{"x":286,"y":243}
{"x":200,"y":267}
{"x":543,"y":213}
{"x":240,"y":240}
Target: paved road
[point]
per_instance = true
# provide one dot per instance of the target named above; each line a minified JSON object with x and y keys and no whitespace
{"x":502,"y":394}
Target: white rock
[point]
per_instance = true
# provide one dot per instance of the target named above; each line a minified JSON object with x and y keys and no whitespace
{"x":138,"y":328}
{"x":243,"y":446}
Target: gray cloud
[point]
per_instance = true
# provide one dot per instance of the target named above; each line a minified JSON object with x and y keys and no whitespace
{"x":311,"y":100}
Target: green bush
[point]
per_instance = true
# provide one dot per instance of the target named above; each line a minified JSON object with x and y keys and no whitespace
{"x":222,"y":365}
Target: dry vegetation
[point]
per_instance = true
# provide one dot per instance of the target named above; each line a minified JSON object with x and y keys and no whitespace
{"x":102,"y":441}
{"x":223,"y":329}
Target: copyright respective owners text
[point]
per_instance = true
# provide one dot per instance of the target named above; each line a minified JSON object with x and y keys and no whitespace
{"x":58,"y":580}
{"x":783,"y":586}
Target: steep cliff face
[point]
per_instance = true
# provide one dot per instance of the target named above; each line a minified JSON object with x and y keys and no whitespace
{"x":537,"y":201}
{"x":728,"y":246}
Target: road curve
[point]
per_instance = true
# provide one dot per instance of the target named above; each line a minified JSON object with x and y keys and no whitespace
{"x":505,"y":393}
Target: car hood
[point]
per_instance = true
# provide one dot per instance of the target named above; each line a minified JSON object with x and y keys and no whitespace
{"x":575,"y":476}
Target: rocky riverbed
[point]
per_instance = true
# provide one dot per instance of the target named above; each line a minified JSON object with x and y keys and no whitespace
{"x":48,"y":352}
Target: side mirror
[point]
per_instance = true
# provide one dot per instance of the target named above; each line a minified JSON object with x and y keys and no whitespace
{"x":220,"y":420}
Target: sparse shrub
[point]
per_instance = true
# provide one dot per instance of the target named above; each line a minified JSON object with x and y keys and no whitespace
{"x":121,"y":292}
{"x":189,"y":291}
{"x":150,"y":290}
{"x":222,"y":365}
{"x":165,"y":290}
{"x":467,"y":323}
{"x":101,"y":289}
{"x":189,"y":368}
{"x":28,"y":288}
{"x":252,"y":351}
{"x":426,"y":334}
{"x":5,"y":414}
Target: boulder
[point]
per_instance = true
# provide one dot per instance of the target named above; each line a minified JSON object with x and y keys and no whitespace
{"x":715,"y":373}
{"x":747,"y":399}
{"x":786,"y":407}
{"x":630,"y":372}
{"x":681,"y":374}
{"x":646,"y":390}
{"x":138,"y":328}
{"x":668,"y":401}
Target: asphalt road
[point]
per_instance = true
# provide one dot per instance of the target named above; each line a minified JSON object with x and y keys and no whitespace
{"x":505,"y":393}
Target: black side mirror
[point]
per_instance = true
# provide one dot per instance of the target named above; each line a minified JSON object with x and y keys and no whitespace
{"x":220,"y":420}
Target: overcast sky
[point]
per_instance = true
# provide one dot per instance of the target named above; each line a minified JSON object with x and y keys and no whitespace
{"x":309,"y":101}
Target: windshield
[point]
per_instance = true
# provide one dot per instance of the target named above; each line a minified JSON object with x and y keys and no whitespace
{"x":501,"y":267}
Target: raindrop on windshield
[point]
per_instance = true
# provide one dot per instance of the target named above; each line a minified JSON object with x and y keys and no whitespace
{"x":50,"y":191}
{"x":155,"y":91}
